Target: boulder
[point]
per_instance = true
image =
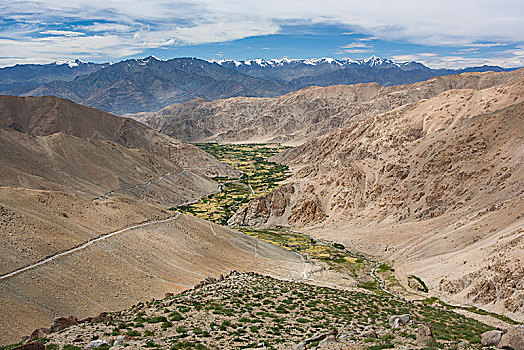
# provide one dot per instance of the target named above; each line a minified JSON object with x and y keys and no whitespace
{"x":368,"y":334}
{"x":513,"y":340}
{"x":97,"y":343}
{"x":30,"y":346}
{"x":120,"y":340}
{"x":425,"y":336}
{"x":39,"y":333}
{"x":330,"y":339}
{"x":491,"y":338}
{"x":60,"y":323}
{"x":300,"y":346}
{"x":396,"y":321}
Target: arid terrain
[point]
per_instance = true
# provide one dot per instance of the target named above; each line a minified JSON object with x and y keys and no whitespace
{"x":435,"y":186}
{"x":397,"y":193}
{"x":71,"y":174}
{"x":252,"y":311}
{"x":298,"y":116}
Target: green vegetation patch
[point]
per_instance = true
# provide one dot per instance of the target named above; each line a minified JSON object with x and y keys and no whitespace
{"x":259,"y":177}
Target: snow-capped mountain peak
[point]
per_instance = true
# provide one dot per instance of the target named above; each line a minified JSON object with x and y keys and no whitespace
{"x":373,"y":61}
{"x":70,"y":63}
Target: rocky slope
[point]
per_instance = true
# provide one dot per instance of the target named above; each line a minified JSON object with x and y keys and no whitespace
{"x":70,"y":174}
{"x":56,"y":154}
{"x":44,"y":116}
{"x":247,"y":310}
{"x":300,"y":115}
{"x":435,"y":186}
{"x":140,"y":264}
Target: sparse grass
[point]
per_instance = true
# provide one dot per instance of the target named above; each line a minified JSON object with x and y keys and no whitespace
{"x":273,"y":312}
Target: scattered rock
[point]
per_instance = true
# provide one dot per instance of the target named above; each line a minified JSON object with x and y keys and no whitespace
{"x":368,"y":334}
{"x":330,"y":339}
{"x":322,"y":336}
{"x":425,"y":336}
{"x":491,"y":338}
{"x":396,"y":321}
{"x":462,"y":345}
{"x":120,"y":340}
{"x":60,"y":323}
{"x":513,"y":340}
{"x":300,"y":346}
{"x":78,"y":339}
{"x":97,"y":343}
{"x":30,"y":346}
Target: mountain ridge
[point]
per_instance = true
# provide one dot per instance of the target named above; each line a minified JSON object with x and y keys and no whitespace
{"x":149,"y":84}
{"x":302,"y":114}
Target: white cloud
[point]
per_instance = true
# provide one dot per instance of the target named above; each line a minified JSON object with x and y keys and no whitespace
{"x":105,"y":27}
{"x":62,"y":33}
{"x":487,"y":45}
{"x":356,"y":51}
{"x":131,"y":26}
{"x":355,"y":45}
{"x":505,"y":59}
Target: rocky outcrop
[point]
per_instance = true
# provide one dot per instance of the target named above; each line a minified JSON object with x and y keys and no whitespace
{"x":280,"y":207}
{"x":259,"y":210}
{"x":396,"y":321}
{"x":513,"y":340}
{"x":425,"y":336}
{"x":491,"y":338}
{"x":60,"y":323}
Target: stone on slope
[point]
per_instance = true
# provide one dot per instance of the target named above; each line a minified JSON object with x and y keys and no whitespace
{"x":97,"y":343}
{"x":513,"y":340}
{"x":491,"y":338}
{"x":396,"y":321}
{"x":425,"y":336}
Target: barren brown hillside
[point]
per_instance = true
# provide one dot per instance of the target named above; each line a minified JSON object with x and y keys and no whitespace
{"x":43,"y":116}
{"x":435,"y":186}
{"x":70,"y":174}
{"x":297,"y":116}
{"x":141,"y":264}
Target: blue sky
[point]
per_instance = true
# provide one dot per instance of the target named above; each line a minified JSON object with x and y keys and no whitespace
{"x":439,"y":34}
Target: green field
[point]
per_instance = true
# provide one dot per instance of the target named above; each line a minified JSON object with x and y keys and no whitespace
{"x":259,"y":176}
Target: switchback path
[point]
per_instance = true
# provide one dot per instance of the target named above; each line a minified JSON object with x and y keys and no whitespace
{"x":140,"y":186}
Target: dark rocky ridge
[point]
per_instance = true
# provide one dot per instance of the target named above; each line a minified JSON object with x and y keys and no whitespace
{"x":150,"y":84}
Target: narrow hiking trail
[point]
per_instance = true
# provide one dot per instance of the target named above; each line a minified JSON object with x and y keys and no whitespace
{"x":85,"y":245}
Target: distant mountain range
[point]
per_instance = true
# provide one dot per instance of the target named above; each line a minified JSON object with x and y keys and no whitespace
{"x":149,"y":84}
